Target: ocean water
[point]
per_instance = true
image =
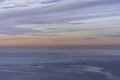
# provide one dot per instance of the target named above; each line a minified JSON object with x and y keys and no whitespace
{"x":59,"y":64}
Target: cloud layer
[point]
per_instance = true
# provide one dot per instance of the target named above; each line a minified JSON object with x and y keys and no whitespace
{"x":87,"y":18}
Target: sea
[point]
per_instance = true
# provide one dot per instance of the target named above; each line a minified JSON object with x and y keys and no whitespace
{"x":36,"y":63}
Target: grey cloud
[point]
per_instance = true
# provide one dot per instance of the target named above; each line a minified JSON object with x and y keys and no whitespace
{"x":78,"y":5}
{"x":16,"y":31}
{"x":77,"y":28}
{"x":50,"y":1}
{"x":43,"y":34}
{"x":15,"y":6}
{"x":10,"y":28}
{"x":51,"y":14}
{"x":54,"y":10}
{"x":113,"y":35}
{"x":77,"y":39}
{"x":90,"y":38}
{"x":2,"y":0}
{"x":8,"y":7}
{"x":62,"y":29}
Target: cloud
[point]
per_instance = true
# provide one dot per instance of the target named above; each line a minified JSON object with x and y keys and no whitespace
{"x":113,"y":35}
{"x":43,"y":34}
{"x":52,"y":13}
{"x":58,"y":30}
{"x":14,"y":6}
{"x":50,"y":1}
{"x":61,"y":12}
{"x":2,"y":0}
{"x":90,"y":38}
{"x":9,"y":27}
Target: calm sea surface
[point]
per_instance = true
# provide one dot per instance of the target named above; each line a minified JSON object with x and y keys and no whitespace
{"x":50,"y":55}
{"x":59,"y":64}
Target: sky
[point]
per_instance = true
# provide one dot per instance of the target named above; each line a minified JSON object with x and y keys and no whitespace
{"x":59,"y":22}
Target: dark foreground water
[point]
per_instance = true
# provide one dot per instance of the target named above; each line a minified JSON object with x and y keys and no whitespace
{"x":59,"y":64}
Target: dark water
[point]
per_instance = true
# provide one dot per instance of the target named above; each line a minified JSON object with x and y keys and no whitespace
{"x":59,"y":64}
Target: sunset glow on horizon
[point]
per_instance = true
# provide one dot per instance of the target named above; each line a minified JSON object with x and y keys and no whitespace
{"x":59,"y":22}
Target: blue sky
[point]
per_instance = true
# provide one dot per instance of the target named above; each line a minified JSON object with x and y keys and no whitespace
{"x":59,"y":22}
